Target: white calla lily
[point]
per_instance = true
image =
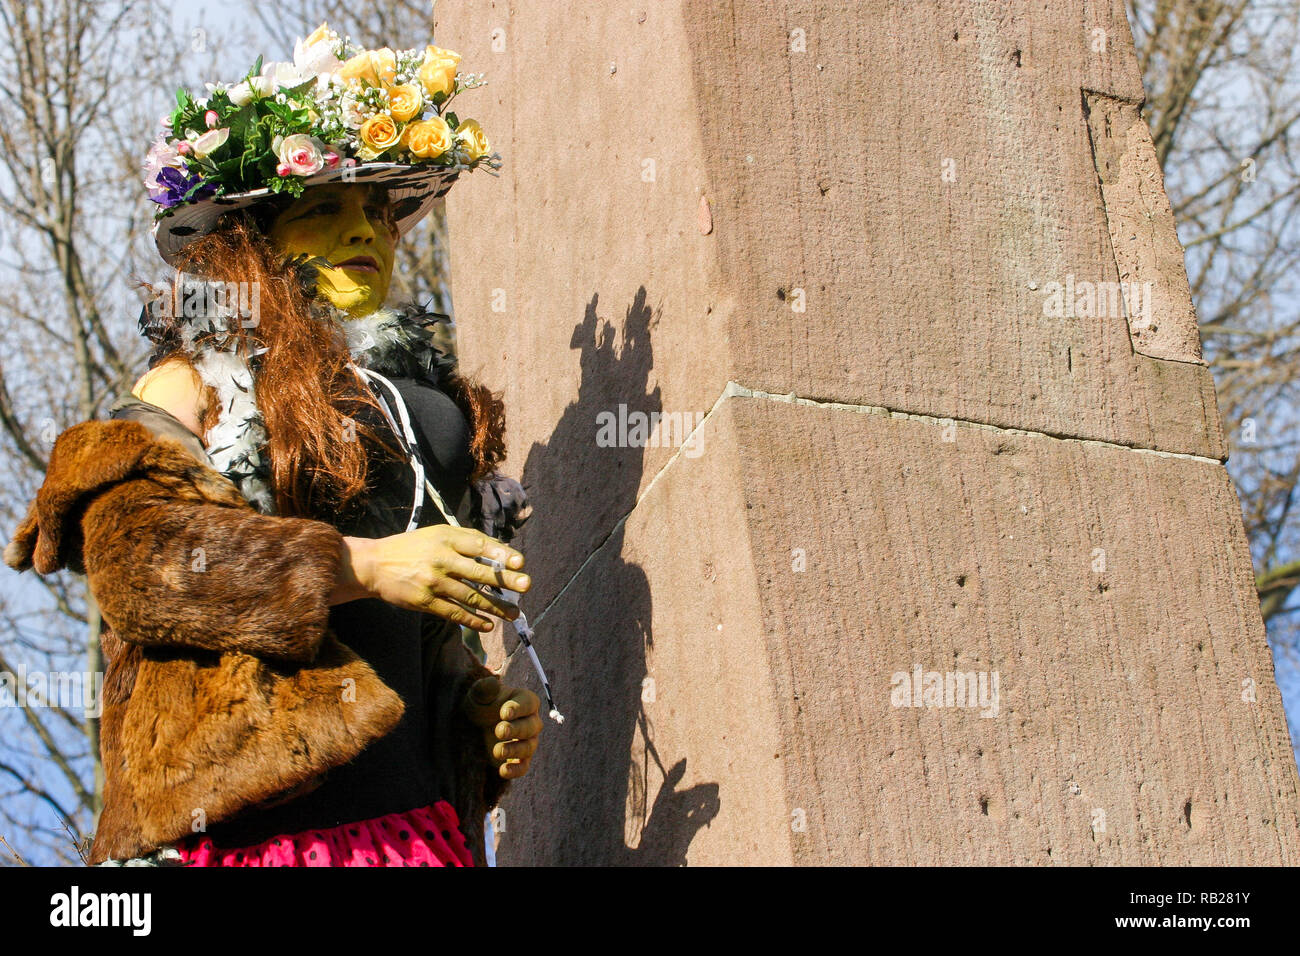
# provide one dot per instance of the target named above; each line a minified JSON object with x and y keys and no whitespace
{"x":209,"y":142}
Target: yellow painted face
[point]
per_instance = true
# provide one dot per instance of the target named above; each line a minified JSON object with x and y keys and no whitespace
{"x":351,"y":225}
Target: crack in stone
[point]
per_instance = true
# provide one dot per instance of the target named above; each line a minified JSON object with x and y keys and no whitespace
{"x":736,"y":390}
{"x":726,"y":393}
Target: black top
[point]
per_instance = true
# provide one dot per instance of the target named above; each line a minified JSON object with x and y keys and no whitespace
{"x":395,"y":773}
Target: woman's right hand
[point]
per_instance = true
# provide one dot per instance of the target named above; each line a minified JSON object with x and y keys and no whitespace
{"x":431,"y":570}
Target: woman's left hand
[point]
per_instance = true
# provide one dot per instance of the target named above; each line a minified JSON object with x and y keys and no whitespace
{"x":510,"y":722}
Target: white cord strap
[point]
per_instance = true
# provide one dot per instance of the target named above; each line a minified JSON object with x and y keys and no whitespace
{"x":405,"y":433}
{"x":423,"y":484}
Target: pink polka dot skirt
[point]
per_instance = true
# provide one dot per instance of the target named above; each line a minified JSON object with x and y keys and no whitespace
{"x":428,"y":836}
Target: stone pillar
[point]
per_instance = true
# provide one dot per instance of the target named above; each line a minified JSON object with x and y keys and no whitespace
{"x":868,"y":256}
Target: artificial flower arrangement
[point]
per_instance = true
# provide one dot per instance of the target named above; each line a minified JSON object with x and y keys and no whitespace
{"x":335,"y":105}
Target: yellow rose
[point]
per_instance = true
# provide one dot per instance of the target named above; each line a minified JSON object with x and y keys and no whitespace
{"x":359,"y":68}
{"x":437,"y":73}
{"x":472,"y":137}
{"x":405,"y":101}
{"x":376,"y":67}
{"x":377,"y":134}
{"x":385,"y":61}
{"x":428,"y":139}
{"x":319,"y":34}
{"x":435,"y":54}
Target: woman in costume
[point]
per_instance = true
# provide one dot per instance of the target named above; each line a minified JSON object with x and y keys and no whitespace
{"x":294,"y":527}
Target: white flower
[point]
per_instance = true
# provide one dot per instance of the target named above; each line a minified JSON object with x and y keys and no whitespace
{"x":209,"y":142}
{"x":274,"y":77}
{"x":317,"y":57}
{"x":241,"y":94}
{"x":351,"y":111}
{"x":286,"y":75}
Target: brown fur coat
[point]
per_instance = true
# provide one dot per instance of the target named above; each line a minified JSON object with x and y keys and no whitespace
{"x":224,"y":686}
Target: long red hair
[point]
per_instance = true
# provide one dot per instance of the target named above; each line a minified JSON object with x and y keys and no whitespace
{"x":307,"y":395}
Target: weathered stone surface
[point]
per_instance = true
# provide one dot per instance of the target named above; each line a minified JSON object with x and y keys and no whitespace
{"x":921,"y":295}
{"x":672,"y":740}
{"x":864,"y":204}
{"x":1108,"y":590}
{"x":1153,"y":290}
{"x":922,"y":173}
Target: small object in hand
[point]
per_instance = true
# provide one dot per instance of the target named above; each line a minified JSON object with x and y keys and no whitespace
{"x":525,"y":633}
{"x":502,"y":594}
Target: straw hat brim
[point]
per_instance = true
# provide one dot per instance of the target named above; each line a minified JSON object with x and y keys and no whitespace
{"x":413,"y":190}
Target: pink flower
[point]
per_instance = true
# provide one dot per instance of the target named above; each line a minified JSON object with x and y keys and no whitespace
{"x":211,"y":119}
{"x":283,"y":169}
{"x":183,"y":148}
{"x":331,"y":159}
{"x":302,"y":154}
{"x":162,"y":155}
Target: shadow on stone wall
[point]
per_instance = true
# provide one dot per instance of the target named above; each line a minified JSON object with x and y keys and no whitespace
{"x":591,"y":804}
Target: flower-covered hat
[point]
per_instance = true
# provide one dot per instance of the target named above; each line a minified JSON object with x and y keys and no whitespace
{"x":337,"y":113}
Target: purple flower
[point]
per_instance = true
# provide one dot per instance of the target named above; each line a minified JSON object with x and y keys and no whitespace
{"x":161,"y":153}
{"x":173,"y":187}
